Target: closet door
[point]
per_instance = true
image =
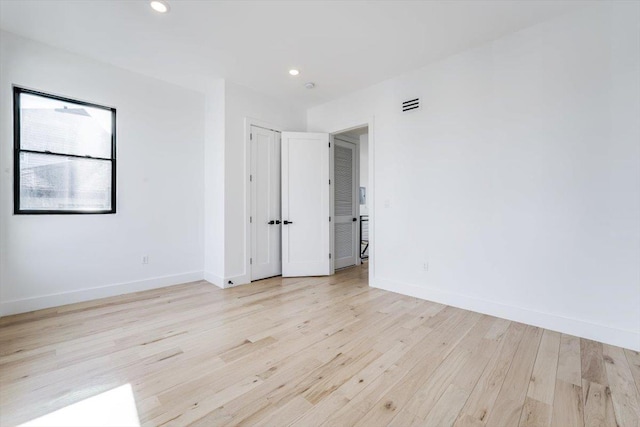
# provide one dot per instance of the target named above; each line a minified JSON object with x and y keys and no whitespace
{"x":306,"y":204}
{"x":346,"y":208}
{"x":266,"y":243}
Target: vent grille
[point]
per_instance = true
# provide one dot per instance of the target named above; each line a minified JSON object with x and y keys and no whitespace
{"x":412,"y":104}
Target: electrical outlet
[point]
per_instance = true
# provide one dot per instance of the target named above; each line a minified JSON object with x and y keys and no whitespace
{"x":145,"y":259}
{"x":425,"y":266}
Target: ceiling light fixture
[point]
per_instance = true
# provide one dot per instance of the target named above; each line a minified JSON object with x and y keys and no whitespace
{"x":294,"y":72}
{"x":160,"y":6}
{"x":310,"y":85}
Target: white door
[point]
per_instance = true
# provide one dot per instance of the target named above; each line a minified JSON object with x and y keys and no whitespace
{"x":305,"y":204}
{"x":346,"y":204}
{"x":266,"y":255}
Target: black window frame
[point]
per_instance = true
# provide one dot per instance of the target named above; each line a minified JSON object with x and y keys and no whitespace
{"x":17,"y":91}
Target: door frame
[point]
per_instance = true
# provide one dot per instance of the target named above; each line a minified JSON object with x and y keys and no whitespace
{"x":356,"y":142}
{"x":342,"y":127}
{"x":346,"y":126}
{"x":248,"y":122}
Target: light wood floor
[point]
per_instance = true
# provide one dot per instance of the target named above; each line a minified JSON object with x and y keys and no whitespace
{"x":306,"y":352}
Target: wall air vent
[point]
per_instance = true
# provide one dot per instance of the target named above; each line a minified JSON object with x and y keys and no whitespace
{"x":412,"y":104}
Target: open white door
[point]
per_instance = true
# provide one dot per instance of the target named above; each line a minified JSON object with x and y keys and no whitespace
{"x":306,"y":208}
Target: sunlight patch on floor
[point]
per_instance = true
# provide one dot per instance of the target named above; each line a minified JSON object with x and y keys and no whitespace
{"x":113,"y":408}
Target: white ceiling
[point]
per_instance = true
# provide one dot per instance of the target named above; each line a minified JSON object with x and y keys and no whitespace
{"x":342,"y":46}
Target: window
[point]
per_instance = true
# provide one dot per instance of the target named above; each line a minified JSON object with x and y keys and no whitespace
{"x":64,"y":155}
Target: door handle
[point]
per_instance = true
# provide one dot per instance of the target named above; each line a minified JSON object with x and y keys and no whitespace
{"x":271,"y":222}
{"x":277,"y":221}
{"x":355,"y":219}
{"x":285,"y":222}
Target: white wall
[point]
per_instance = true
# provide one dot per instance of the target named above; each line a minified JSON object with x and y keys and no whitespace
{"x":242,"y":103}
{"x":227,"y":247}
{"x":519,"y":180}
{"x":181,"y":184}
{"x":214,"y":169}
{"x":51,"y":260}
{"x":364,"y":170}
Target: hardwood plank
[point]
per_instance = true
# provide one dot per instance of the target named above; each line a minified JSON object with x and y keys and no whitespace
{"x":441,"y":342}
{"x":626,"y":403}
{"x":535,"y":413}
{"x":592,"y":362}
{"x":405,"y":419}
{"x":510,"y":401}
{"x":364,"y":401}
{"x":633,"y":359}
{"x":498,"y":330}
{"x":446,"y":410}
{"x":481,"y":401}
{"x":543,"y":378}
{"x":569,"y":365}
{"x":598,"y":406}
{"x":286,"y":413}
{"x":279,"y":378}
{"x":567,"y":405}
{"x":466,"y":420}
{"x":204,"y":405}
{"x":465,"y":362}
{"x":309,"y":351}
{"x":349,"y":390}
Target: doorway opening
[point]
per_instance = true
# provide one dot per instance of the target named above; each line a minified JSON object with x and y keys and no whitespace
{"x":307,"y":201}
{"x":351,"y":219}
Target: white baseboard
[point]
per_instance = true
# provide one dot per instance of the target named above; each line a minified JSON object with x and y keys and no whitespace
{"x":605,"y":334}
{"x":54,"y":300}
{"x":237,"y":281}
{"x":223,"y":283}
{"x":214,"y":279}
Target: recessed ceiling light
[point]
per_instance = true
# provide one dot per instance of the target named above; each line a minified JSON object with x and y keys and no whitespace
{"x":159,"y":6}
{"x":294,"y":72}
{"x":310,"y":85}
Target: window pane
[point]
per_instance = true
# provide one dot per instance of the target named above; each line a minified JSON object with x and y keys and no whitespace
{"x":64,"y":127}
{"x":49,"y":182}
